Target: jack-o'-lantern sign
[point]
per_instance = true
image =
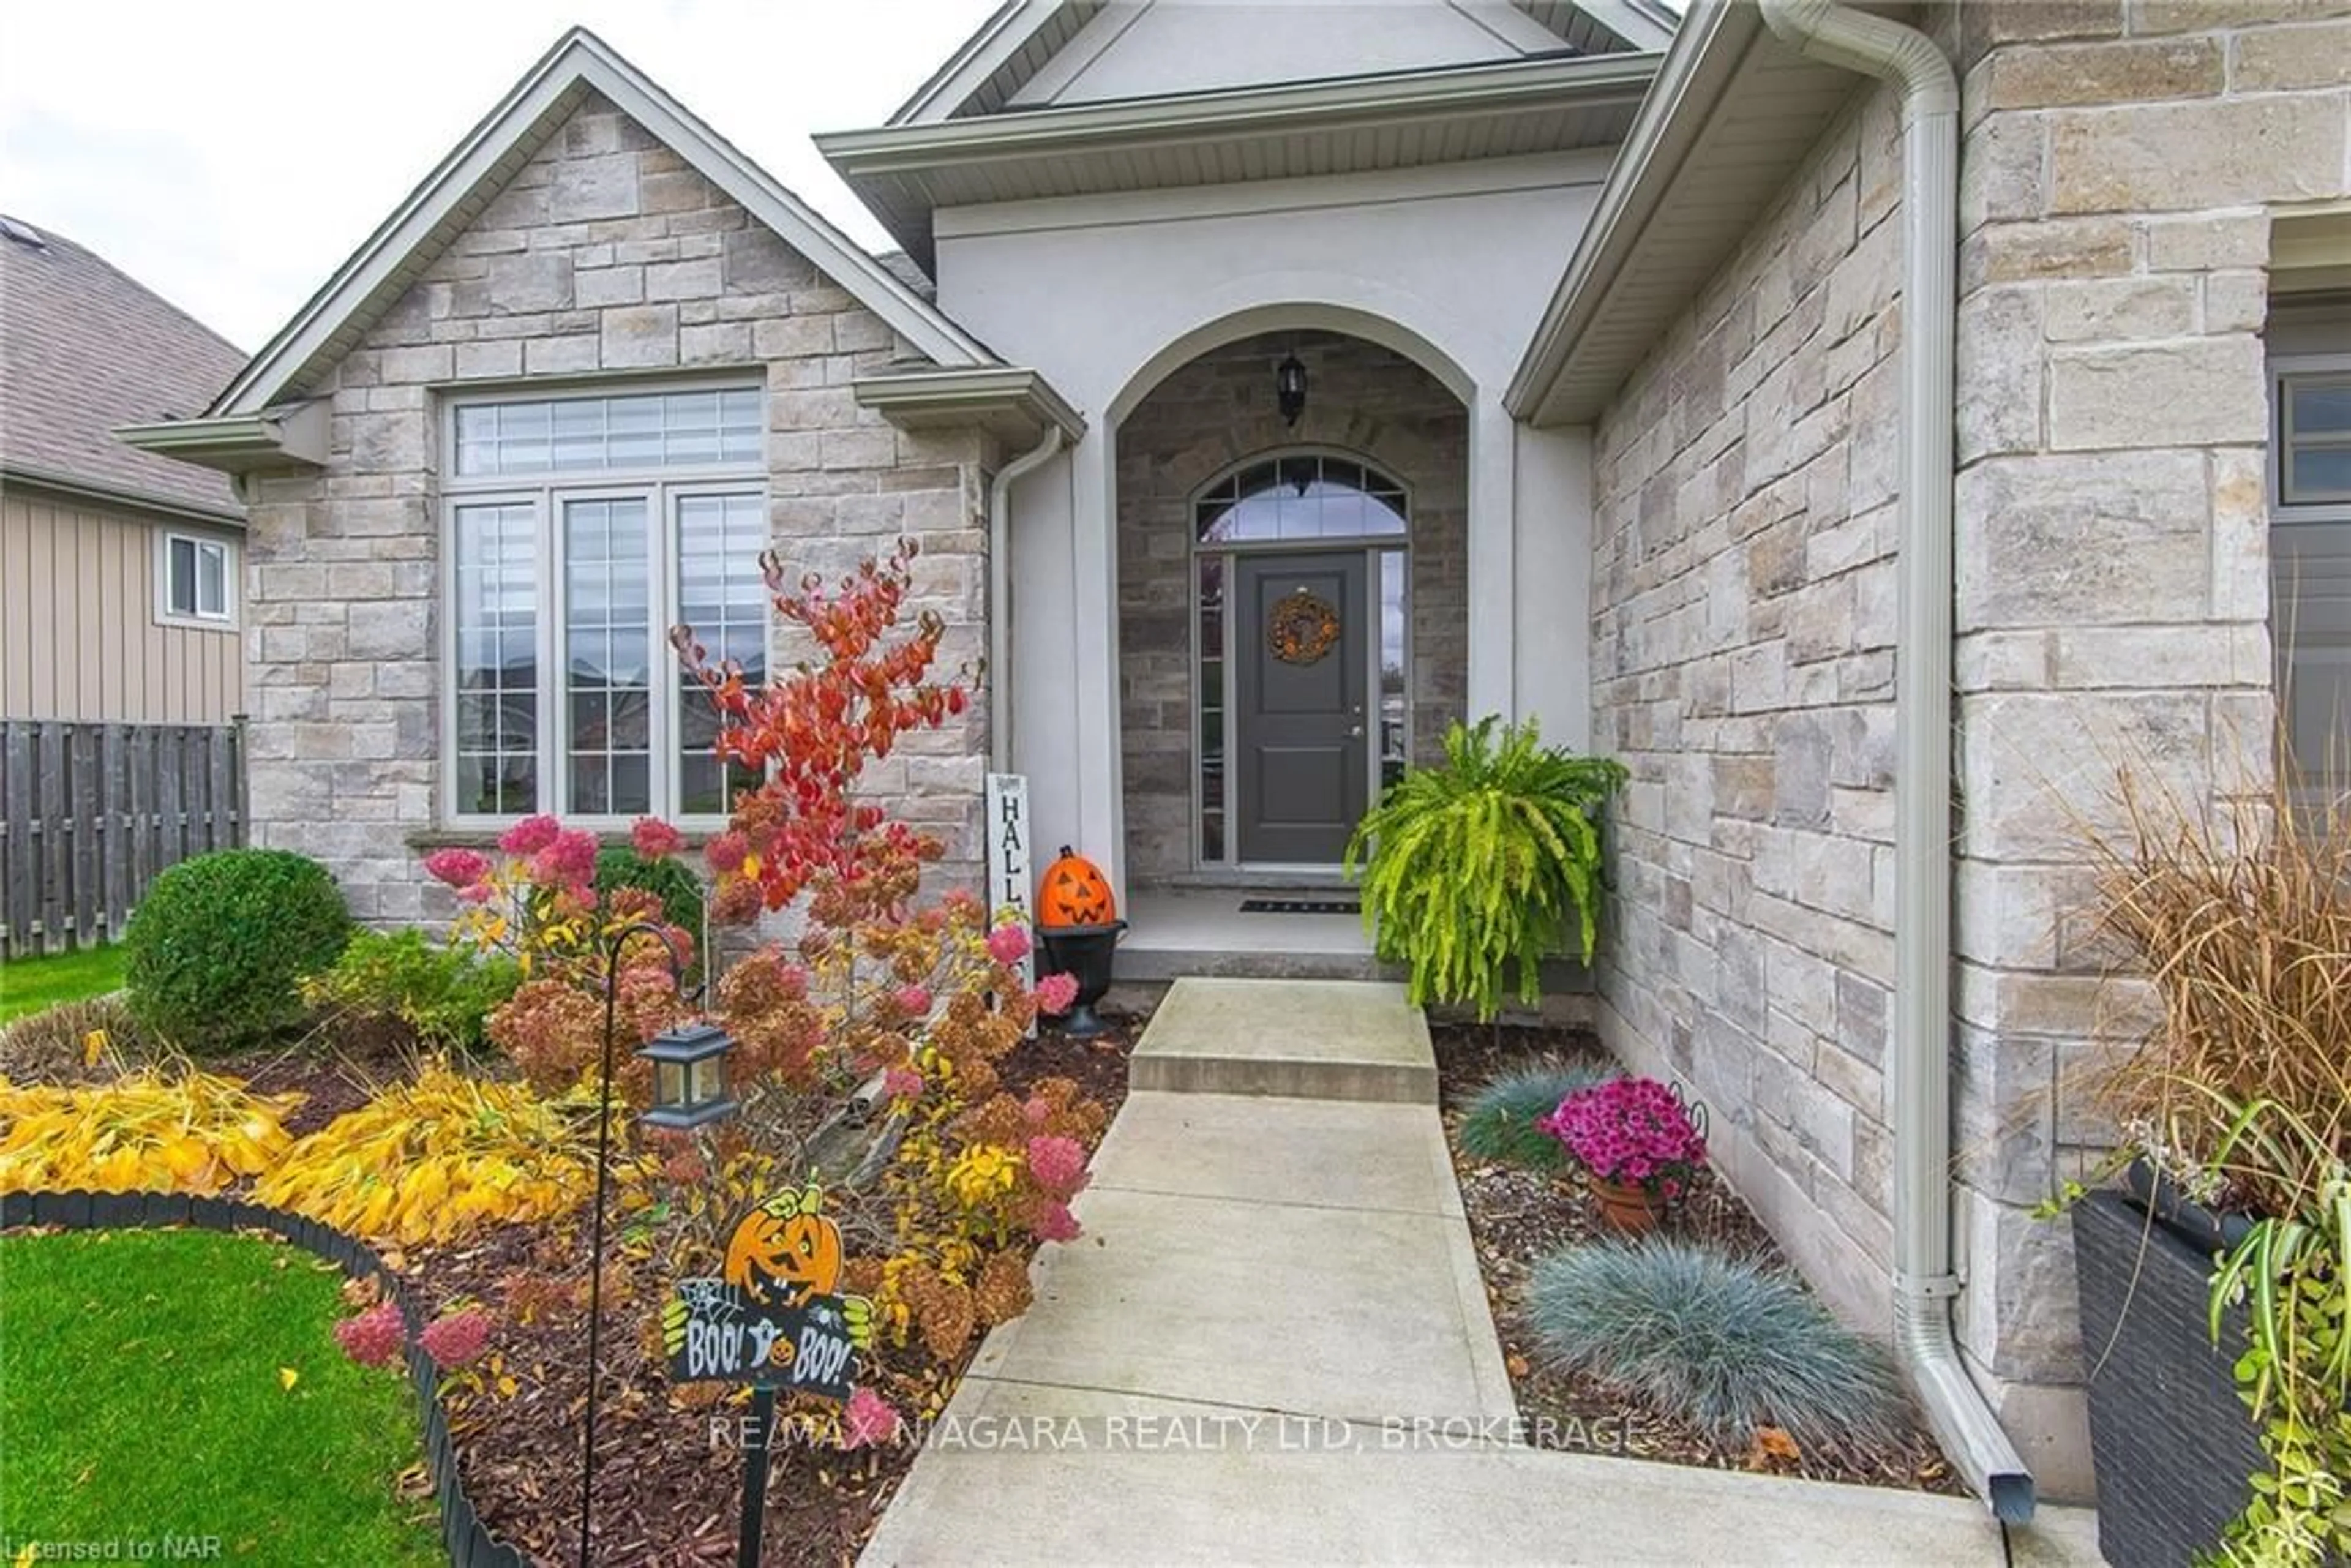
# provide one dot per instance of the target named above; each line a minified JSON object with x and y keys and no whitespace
{"x":785,"y":1251}
{"x":1075,"y":892}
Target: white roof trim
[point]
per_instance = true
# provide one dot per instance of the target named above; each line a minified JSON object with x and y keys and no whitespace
{"x":978,"y":58}
{"x":579,"y":62}
{"x":1637,"y":24}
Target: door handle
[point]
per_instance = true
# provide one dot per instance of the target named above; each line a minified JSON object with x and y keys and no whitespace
{"x":1355,"y":732}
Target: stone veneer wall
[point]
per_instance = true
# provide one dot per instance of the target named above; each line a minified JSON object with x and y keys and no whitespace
{"x":2113,"y":598}
{"x":1214,"y":412}
{"x":606,"y":253}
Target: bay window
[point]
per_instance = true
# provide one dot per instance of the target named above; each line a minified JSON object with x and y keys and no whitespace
{"x":580,"y":529}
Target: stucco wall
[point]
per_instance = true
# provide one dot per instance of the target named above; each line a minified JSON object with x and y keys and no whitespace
{"x":604,"y":253}
{"x":1213,"y":413}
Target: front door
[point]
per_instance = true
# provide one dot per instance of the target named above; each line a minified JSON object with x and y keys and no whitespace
{"x":1301,"y":673}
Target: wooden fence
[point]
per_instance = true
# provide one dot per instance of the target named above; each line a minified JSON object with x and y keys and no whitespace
{"x":89,"y":813}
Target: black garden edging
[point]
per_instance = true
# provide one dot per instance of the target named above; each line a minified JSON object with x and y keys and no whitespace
{"x":468,"y":1539}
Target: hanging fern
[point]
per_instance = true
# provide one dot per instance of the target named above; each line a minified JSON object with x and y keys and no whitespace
{"x":1491,"y":861}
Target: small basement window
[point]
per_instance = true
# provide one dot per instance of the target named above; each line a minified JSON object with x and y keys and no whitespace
{"x":195,"y":578}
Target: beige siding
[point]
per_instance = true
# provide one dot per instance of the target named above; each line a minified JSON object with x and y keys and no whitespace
{"x":79,"y":633}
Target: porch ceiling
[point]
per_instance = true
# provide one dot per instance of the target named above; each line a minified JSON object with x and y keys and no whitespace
{"x":906,"y":173}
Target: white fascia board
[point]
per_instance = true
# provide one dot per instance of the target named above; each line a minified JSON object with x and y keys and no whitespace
{"x":994,"y":42}
{"x":1073,"y":60}
{"x":296,"y":435}
{"x":1015,"y":401}
{"x":1510,"y":26}
{"x":1713,"y":41}
{"x":581,"y":62}
{"x":1240,"y":111}
{"x":1640,"y":23}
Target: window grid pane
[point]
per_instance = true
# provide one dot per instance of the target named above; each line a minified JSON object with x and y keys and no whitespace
{"x":608,"y":657}
{"x":212,"y":581}
{"x":600,"y":435}
{"x":496,"y":620}
{"x":180,"y":576}
{"x":722,"y":599}
{"x":1299,"y":497}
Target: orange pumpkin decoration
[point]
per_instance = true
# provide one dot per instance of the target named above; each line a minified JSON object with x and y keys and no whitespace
{"x":785,"y":1250}
{"x":1075,"y":893}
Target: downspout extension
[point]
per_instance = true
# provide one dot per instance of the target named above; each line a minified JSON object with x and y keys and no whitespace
{"x":999,"y":597}
{"x":1923,"y":1281}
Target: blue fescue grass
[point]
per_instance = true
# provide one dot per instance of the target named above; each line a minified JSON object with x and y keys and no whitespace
{"x":1723,"y":1343}
{"x":1499,"y":1123}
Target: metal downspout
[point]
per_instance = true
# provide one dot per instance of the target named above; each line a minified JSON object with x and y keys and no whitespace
{"x":999,"y":597}
{"x":1923,"y":1281}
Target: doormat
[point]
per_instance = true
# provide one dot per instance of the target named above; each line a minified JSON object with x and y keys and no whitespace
{"x":1302,"y":906}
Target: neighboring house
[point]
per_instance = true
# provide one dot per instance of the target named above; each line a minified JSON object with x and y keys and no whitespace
{"x":120,"y":591}
{"x":1608,"y":420}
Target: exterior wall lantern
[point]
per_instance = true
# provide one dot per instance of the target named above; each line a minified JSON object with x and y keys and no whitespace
{"x":1290,"y":388}
{"x":689,"y":1076}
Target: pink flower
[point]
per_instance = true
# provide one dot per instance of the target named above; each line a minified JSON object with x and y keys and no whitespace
{"x":1059,"y":1163}
{"x":459,"y":868}
{"x":1009,"y":944}
{"x":1055,"y":1223}
{"x":914,"y":1001}
{"x":457,"y":1339}
{"x":1037,"y":1111}
{"x":727,"y":851}
{"x":530,"y":835}
{"x":869,"y":1419}
{"x":373,"y":1338}
{"x":1056,"y":994}
{"x":569,"y":859}
{"x":903,"y":1083}
{"x":1630,"y":1130}
{"x":654,"y":838}
{"x":478,"y":893}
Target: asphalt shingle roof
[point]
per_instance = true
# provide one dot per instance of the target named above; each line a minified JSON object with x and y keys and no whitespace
{"x":84,"y":348}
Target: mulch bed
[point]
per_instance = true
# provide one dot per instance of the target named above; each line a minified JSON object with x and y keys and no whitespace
{"x":1517,"y":1217}
{"x":669,"y":1463}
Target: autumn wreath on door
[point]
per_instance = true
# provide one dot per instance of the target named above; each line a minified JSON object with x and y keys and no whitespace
{"x":1303,"y":628}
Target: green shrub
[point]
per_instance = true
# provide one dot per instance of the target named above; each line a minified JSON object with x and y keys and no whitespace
{"x":1724,"y":1343}
{"x":668,"y":880}
{"x":1499,"y":1123}
{"x":445,"y":994}
{"x":218,"y":943}
{"x":1485,"y":865}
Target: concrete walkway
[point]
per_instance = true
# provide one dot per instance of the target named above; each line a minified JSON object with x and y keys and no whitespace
{"x":1273,"y":1345}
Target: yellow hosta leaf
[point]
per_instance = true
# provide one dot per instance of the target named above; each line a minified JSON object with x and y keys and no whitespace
{"x":287,"y":1377}
{"x":93,"y":1046}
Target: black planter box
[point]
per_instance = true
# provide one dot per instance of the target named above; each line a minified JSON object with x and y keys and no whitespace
{"x":2174,"y":1446}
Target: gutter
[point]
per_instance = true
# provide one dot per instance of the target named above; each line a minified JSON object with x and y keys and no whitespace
{"x":999,"y":596}
{"x":1925,"y":1283}
{"x":290,"y":434}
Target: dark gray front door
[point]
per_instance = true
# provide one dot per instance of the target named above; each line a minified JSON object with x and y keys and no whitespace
{"x":1304,"y":780}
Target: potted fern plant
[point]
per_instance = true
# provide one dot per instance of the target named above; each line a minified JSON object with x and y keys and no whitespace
{"x":1475,"y":871}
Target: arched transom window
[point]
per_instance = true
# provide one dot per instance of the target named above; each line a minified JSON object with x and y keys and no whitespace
{"x":1302,"y":498}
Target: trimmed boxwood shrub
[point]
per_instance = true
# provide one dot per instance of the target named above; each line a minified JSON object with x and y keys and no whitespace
{"x":679,"y":889}
{"x":218,"y":943}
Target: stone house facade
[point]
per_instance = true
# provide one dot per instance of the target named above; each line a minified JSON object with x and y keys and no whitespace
{"x":1621,"y":308}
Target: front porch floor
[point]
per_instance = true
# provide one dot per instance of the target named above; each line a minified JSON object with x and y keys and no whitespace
{"x":1173,"y":931}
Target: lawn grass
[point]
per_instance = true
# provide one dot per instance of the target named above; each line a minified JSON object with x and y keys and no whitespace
{"x":141,"y":1395}
{"x":28,"y":985}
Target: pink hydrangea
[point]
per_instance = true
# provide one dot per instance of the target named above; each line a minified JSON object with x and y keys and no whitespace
{"x":1037,"y":1111}
{"x":1059,"y":1163}
{"x":1054,"y":1222}
{"x":530,"y":835}
{"x":868,"y":1419}
{"x":1057,"y":994}
{"x":903,"y":1083}
{"x":374,"y":1337}
{"x":458,"y":1338}
{"x":569,"y":859}
{"x":478,"y":893}
{"x":459,"y":868}
{"x":1009,"y":944}
{"x":914,"y":1001}
{"x":727,"y":853}
{"x":654,"y":838}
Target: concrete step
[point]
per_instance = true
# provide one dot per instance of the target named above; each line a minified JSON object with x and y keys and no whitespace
{"x":1309,"y":1038}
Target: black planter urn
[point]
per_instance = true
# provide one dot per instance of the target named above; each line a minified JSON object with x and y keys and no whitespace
{"x":1083,"y":953}
{"x":2174,"y":1446}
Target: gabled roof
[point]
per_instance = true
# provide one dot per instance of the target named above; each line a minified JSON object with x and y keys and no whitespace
{"x":1730,"y":117}
{"x":1026,"y":42}
{"x":437,"y":210}
{"x":84,"y":348}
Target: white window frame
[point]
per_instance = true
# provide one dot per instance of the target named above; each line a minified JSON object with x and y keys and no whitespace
{"x":223,"y":619}
{"x":660,"y":488}
{"x":2284,"y":370}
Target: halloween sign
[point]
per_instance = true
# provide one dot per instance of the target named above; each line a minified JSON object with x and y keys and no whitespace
{"x":773,"y":1317}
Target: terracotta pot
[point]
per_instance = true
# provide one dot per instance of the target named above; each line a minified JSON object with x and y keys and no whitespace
{"x":1627,"y":1208}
